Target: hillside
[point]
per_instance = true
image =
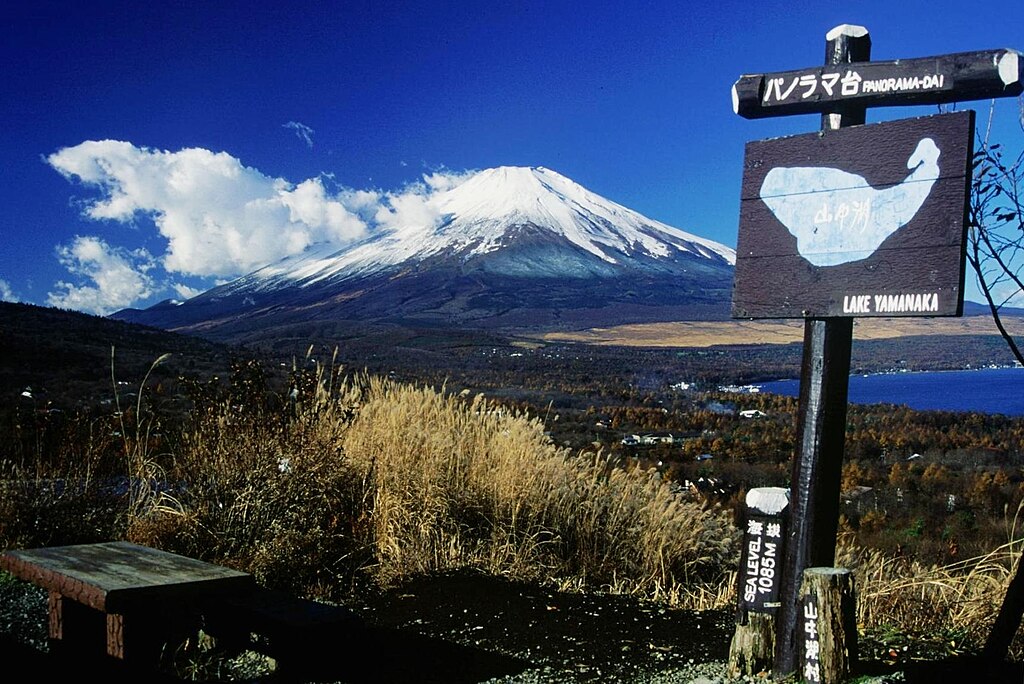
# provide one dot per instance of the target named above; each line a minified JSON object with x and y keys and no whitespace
{"x":64,"y":358}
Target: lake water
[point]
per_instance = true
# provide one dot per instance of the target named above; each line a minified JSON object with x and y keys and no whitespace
{"x":990,"y":390}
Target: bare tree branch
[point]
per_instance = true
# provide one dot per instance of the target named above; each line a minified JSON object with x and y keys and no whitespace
{"x":996,"y":228}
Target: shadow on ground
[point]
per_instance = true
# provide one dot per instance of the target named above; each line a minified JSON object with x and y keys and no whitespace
{"x":467,"y":628}
{"x":377,"y":656}
{"x":380,"y":656}
{"x":962,"y":670}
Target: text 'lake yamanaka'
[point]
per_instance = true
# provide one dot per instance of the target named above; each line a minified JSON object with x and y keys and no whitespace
{"x":989,"y":390}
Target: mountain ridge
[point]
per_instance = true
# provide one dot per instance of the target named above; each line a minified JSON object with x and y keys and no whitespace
{"x":508,"y":247}
{"x":480,"y":215}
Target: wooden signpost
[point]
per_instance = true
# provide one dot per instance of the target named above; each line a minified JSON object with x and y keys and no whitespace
{"x":863,"y":221}
{"x":753,"y":644}
{"x":848,"y":274}
{"x":829,"y":633}
{"x":927,"y":80}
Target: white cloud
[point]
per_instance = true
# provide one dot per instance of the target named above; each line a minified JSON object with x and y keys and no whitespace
{"x":6,"y":293}
{"x":116,"y":277}
{"x":304,"y":132}
{"x":407,"y":209}
{"x":220,"y":218}
{"x":186,"y":291}
{"x":414,"y":205}
{"x":440,"y":181}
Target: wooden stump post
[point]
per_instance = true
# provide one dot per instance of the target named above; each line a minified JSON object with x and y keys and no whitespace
{"x":828,"y":627}
{"x":752,"y":649}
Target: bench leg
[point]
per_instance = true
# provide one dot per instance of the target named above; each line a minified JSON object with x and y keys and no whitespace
{"x":115,"y":635}
{"x":134,"y":638}
{"x":137,"y":638}
{"x":142,"y":637}
{"x":74,"y":626}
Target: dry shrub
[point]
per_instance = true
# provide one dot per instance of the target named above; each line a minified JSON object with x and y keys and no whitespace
{"x":59,"y":482}
{"x":361,"y":477}
{"x":958,"y":601}
{"x":459,"y":483}
{"x":76,"y":477}
{"x":264,"y":486}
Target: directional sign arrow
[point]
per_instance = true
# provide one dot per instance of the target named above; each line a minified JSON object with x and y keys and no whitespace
{"x":955,"y":77}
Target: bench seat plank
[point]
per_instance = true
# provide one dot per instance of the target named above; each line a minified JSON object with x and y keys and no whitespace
{"x":115,"y":576}
{"x":143,"y":592}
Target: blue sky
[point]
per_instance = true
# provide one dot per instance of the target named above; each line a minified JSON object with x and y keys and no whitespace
{"x":152,"y":150}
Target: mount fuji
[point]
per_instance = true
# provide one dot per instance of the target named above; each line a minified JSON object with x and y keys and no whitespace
{"x":508,"y":248}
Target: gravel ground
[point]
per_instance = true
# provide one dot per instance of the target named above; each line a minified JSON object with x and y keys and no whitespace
{"x":568,"y":638}
{"x":465,"y":628}
{"x":22,"y":614}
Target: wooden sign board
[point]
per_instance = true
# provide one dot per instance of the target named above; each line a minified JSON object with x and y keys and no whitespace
{"x":861,"y":221}
{"x":760,"y":558}
{"x":955,"y":77}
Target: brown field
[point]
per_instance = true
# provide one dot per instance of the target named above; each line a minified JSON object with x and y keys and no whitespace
{"x":711,"y":333}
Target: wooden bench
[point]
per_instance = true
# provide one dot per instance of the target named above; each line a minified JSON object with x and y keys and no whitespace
{"x":128,"y":601}
{"x":120,"y":598}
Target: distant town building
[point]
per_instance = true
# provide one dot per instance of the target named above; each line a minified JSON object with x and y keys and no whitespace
{"x":652,"y":438}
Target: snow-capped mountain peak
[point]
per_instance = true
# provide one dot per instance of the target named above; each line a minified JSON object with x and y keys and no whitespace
{"x":519,"y":248}
{"x":481,"y":215}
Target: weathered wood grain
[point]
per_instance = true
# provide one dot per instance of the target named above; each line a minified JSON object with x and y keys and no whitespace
{"x":830,"y":625}
{"x":125,"y":595}
{"x":924,"y":257}
{"x":957,"y":77}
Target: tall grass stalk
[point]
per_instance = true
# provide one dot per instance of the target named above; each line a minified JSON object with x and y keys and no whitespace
{"x":460,"y":484}
{"x":146,"y":480}
{"x":962,"y":597}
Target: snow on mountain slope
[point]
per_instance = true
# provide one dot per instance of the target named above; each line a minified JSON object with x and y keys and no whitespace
{"x":479,"y":217}
{"x":508,"y":247}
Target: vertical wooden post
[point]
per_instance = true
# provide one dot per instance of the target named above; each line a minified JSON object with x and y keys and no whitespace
{"x":752,"y":649}
{"x":821,"y":423}
{"x":829,"y":634}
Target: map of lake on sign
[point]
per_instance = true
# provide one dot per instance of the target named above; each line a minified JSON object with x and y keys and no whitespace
{"x":861,"y":221}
